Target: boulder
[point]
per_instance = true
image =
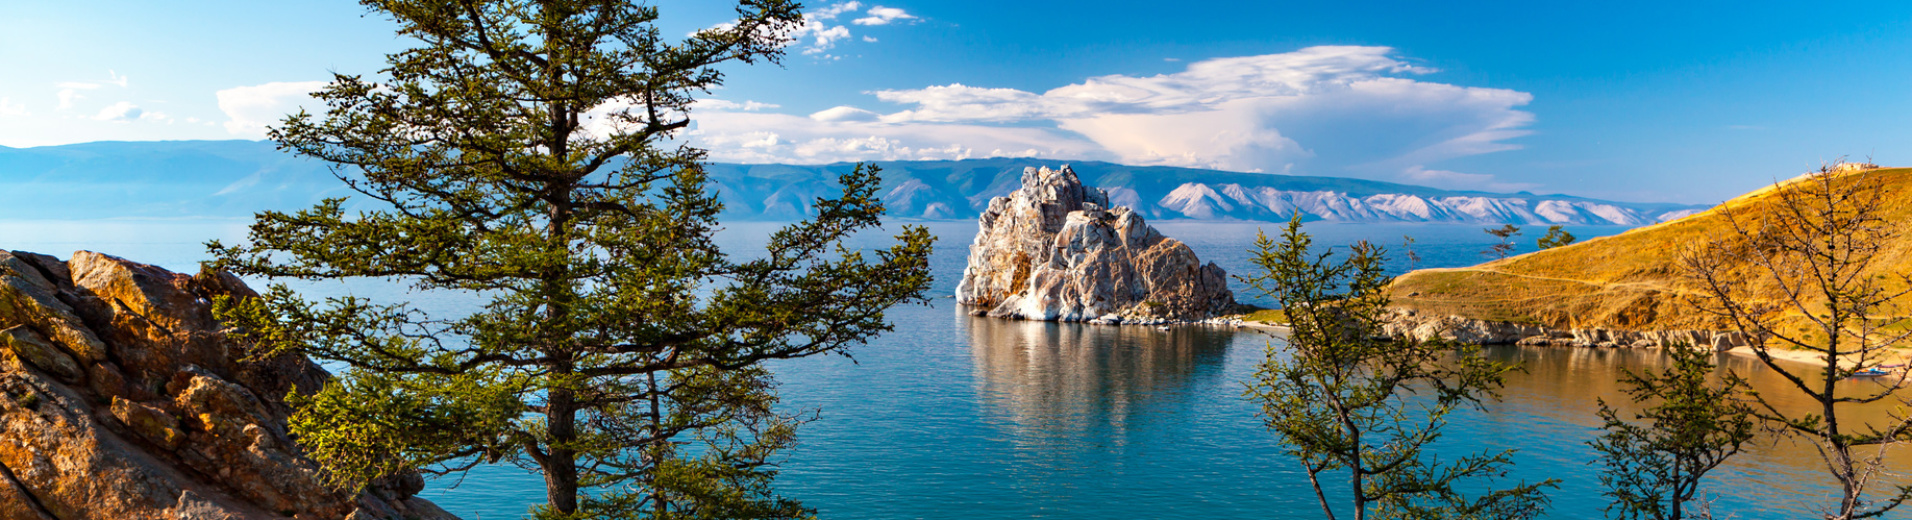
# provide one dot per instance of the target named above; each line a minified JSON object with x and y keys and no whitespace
{"x":122,"y":398}
{"x":1055,"y":250}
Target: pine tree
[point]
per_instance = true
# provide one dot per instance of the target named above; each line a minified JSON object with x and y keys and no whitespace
{"x":1656,"y":463}
{"x":1556,"y":236}
{"x":1342,"y":395}
{"x":520,"y":154}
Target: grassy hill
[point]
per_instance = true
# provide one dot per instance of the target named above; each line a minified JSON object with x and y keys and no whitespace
{"x":1629,"y":281}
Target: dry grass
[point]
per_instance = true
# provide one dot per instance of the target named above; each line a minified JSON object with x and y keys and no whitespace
{"x":1626,"y":281}
{"x":1269,"y":316}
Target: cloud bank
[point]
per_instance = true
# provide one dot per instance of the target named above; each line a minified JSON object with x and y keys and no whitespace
{"x":249,"y":110}
{"x":1329,"y":110}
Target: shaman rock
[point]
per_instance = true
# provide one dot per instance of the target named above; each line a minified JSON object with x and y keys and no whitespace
{"x":120,"y":397}
{"x":1055,"y":250}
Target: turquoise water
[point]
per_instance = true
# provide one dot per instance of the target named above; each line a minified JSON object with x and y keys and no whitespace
{"x":959,"y":417}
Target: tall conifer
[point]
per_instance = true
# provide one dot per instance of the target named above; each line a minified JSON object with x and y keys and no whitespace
{"x":521,"y":153}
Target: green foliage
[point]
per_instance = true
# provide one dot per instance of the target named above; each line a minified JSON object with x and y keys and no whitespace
{"x":1556,"y":236}
{"x":516,"y":155}
{"x":1506,"y":234}
{"x":1346,"y":398}
{"x":1654,"y":468}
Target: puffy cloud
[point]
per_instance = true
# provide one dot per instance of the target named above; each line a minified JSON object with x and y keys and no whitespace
{"x":823,"y":37}
{"x":249,"y":110}
{"x":1331,"y":110}
{"x":880,"y":15}
{"x":817,"y":36}
{"x":833,"y":11}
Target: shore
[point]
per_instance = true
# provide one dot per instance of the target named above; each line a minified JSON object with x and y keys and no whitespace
{"x":1815,"y":358}
{"x":1805,"y":357}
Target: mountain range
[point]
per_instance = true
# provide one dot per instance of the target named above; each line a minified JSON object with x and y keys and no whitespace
{"x":160,"y":179}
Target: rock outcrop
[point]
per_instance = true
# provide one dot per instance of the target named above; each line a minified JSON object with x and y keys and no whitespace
{"x":1412,"y":323}
{"x":121,"y":398}
{"x":1054,"y":250}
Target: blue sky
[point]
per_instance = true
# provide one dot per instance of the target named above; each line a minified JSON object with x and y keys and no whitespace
{"x":1644,"y":101}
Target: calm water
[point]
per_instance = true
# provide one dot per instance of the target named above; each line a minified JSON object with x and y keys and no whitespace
{"x":960,"y":417}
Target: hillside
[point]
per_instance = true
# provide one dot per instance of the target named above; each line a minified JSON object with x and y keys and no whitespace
{"x":1629,"y":281}
{"x":236,"y":178}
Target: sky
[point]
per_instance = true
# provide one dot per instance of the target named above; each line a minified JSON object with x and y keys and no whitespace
{"x":1668,"y":101}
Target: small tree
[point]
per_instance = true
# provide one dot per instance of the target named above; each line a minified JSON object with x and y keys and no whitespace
{"x":1654,"y":468}
{"x":1407,"y":247}
{"x":1506,"y":234}
{"x":1800,"y":271}
{"x":1348,"y":399}
{"x":520,"y":155}
{"x":1556,"y":236}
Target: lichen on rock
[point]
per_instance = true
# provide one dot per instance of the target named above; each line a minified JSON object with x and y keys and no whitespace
{"x":1055,"y":250}
{"x":120,"y":397}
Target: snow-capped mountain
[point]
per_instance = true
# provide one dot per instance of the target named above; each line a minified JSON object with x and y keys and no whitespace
{"x":237,"y":178}
{"x":962,"y":189}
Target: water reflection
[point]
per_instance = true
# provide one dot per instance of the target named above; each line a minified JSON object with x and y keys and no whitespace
{"x":1060,"y":380}
{"x":1556,"y":398}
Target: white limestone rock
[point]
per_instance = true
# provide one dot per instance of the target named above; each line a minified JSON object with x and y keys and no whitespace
{"x":1055,"y":250}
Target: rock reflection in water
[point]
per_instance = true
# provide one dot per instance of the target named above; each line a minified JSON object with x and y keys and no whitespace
{"x":1064,"y":380}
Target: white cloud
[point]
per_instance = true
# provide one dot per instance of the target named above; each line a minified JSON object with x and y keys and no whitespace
{"x":8,"y":108}
{"x":833,"y":11}
{"x":817,"y":36}
{"x":880,"y":15}
{"x":249,"y":110}
{"x":844,"y":113}
{"x":1332,"y":110}
{"x":70,"y":90}
{"x":823,"y":37}
{"x":121,"y":111}
{"x":719,"y":104}
{"x":67,"y":97}
{"x":769,"y":137}
{"x":126,"y":112}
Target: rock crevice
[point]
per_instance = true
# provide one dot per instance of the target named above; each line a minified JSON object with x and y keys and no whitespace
{"x":1055,"y":250}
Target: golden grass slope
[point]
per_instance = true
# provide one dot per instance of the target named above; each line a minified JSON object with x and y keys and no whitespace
{"x":1629,"y":281}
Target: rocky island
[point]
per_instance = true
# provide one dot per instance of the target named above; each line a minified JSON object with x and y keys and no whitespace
{"x":122,"y":398}
{"x":1056,"y":250}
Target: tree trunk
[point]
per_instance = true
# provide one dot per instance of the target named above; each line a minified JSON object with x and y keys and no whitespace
{"x":560,"y":470}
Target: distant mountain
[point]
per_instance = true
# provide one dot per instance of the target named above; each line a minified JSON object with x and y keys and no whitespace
{"x":237,"y":178}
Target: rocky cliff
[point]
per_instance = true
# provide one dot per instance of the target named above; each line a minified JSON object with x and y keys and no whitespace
{"x":121,"y":398}
{"x":1055,"y":250}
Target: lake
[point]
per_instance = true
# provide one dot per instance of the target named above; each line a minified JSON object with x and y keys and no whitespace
{"x":954,"y":416}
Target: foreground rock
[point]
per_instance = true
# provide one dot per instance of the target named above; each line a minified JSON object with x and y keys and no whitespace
{"x":120,"y":398}
{"x":1054,"y":250}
